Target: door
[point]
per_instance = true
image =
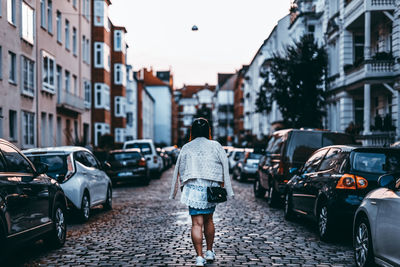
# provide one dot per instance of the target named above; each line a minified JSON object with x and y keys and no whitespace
{"x":101,"y":181}
{"x":387,"y":237}
{"x":33,"y":191}
{"x":303,"y":194}
{"x":87,"y":173}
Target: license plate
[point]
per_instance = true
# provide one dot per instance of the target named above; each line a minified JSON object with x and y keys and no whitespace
{"x":255,"y":165}
{"x":121,"y":174}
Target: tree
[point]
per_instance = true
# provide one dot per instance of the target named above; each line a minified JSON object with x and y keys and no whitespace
{"x":298,"y":86}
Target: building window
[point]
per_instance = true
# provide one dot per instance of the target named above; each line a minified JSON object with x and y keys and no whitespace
{"x":84,"y":48}
{"x":50,"y":16}
{"x":67,"y":34}
{"x":100,"y":15}
{"x":102,"y":96}
{"x":358,"y":48}
{"x":87,"y":13}
{"x":67,"y":81}
{"x":88,"y":95}
{"x":50,"y":134}
{"x":12,"y":78}
{"x":43,"y":13}
{"x":87,"y":51}
{"x":59,"y":81}
{"x":74,"y":3}
{"x":48,"y":68}
{"x":102,"y":56}
{"x":28,"y":76}
{"x":119,"y":74}
{"x":100,"y":129}
{"x":59,"y":26}
{"x":11,"y":11}
{"x":74,"y":44}
{"x":120,"y":106}
{"x":1,"y":123}
{"x":27,"y":23}
{"x":12,"y":119}
{"x":43,"y":127}
{"x":119,"y":135}
{"x":28,"y":131}
{"x":75,"y":80}
{"x":118,"y":41}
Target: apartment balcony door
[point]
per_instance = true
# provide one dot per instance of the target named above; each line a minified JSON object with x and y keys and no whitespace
{"x":359,"y":112}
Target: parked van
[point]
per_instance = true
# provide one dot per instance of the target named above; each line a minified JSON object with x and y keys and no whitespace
{"x":146,"y":146}
{"x":289,"y":149}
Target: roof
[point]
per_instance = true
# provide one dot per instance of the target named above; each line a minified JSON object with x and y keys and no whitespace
{"x":230,"y":83}
{"x":223,"y":77}
{"x":189,"y":90}
{"x":150,"y":80}
{"x":59,"y":149}
{"x":125,"y":150}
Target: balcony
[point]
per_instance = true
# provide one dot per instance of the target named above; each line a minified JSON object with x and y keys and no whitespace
{"x":70,"y":103}
{"x":355,"y":8}
{"x":369,"y":69}
{"x":379,"y":139}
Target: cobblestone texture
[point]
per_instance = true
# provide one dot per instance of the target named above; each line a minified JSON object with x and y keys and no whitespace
{"x":147,"y":229}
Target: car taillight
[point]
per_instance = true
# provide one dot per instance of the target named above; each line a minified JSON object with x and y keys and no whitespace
{"x":142,"y":162}
{"x":280,"y":168}
{"x":352,"y":182}
{"x":155,"y":159}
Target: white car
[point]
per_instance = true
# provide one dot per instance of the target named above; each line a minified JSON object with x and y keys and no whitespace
{"x":80,"y":175}
{"x":146,"y":146}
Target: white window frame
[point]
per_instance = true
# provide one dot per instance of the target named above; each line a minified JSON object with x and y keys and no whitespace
{"x":27,"y":23}
{"x":48,"y":86}
{"x":59,"y":26}
{"x":84,"y":48}
{"x":101,"y":56}
{"x":28,"y":129}
{"x":74,"y":3}
{"x":102,"y":129}
{"x":67,"y":34}
{"x":88,"y":94}
{"x":102,"y":93}
{"x":87,"y":13}
{"x":74,"y":41}
{"x":11,"y":11}
{"x":12,"y":67}
{"x":120,"y":107}
{"x":27,"y":76}
{"x":14,"y":120}
{"x":87,"y":51}
{"x":119,"y":74}
{"x":119,"y":135}
{"x":118,"y":40}
{"x":50,"y":16}
{"x":43,"y":14}
{"x":67,"y":82}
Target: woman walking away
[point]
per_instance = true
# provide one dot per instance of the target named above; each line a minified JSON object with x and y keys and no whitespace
{"x":202,"y":164}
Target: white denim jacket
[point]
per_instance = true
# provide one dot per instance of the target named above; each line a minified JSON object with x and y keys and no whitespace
{"x":201,"y":158}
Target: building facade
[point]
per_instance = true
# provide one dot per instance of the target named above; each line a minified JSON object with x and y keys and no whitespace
{"x":131,"y":105}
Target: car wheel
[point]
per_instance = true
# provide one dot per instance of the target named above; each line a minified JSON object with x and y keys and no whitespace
{"x":324,"y":222}
{"x":57,"y":236}
{"x":272,"y":197}
{"x":242,"y":177}
{"x":259,"y":191}
{"x":108,"y":204}
{"x":85,"y":207}
{"x":288,"y":209}
{"x":363,"y":249}
{"x":234,"y":176}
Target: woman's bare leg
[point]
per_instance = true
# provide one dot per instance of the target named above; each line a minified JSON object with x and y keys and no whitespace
{"x":209,"y":230}
{"x":197,"y":233}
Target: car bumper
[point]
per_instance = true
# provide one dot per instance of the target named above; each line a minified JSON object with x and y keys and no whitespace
{"x":343,"y":207}
{"x":128,"y":175}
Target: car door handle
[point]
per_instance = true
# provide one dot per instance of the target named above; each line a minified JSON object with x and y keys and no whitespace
{"x":373,"y":202}
{"x":84,"y":172}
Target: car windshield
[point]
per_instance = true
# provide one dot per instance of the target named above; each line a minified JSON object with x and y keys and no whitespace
{"x":57,"y":163}
{"x":145,"y":148}
{"x":254,"y":156}
{"x":378,"y":163}
{"x":124,"y":156}
{"x":239,"y":155}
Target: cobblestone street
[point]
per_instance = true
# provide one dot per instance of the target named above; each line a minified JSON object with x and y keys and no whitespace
{"x":147,"y":229}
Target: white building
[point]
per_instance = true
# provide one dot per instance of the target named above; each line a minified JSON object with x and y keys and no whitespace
{"x":131,"y":105}
{"x":148,"y":114}
{"x":363,"y":42}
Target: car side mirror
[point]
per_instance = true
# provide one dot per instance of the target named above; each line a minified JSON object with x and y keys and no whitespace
{"x":387,"y":181}
{"x":106,"y":165}
{"x":294,"y":171}
{"x":41,"y":168}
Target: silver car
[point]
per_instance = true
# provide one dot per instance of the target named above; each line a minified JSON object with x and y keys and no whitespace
{"x":376,"y":234}
{"x":80,"y":175}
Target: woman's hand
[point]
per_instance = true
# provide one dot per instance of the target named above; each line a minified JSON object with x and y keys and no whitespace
{"x":222,"y":184}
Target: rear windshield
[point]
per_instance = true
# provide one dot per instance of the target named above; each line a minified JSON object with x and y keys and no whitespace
{"x":57,"y":163}
{"x":145,"y":148}
{"x":302,"y":145}
{"x":239,"y":155}
{"x":275,"y":145}
{"x":378,"y":163}
{"x":330,"y":139}
{"x":125,"y":156}
{"x":254,"y":156}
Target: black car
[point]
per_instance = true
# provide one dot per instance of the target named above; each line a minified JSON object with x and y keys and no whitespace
{"x":289,"y":149}
{"x":333,"y":182}
{"x":127,"y":165}
{"x":33,"y":205}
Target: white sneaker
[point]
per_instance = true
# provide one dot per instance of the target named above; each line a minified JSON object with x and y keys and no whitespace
{"x":200,"y":261}
{"x":210,"y":255}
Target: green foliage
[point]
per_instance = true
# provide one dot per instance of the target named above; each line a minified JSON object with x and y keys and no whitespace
{"x":298,"y":87}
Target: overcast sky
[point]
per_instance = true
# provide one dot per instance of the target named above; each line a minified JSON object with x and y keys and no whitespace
{"x":230,"y":33}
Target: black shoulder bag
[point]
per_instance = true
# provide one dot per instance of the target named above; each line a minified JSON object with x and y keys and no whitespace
{"x":216,"y":194}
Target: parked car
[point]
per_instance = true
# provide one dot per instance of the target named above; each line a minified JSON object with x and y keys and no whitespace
{"x":376,"y":229}
{"x":289,"y":149}
{"x":234,"y":157}
{"x":33,"y":205}
{"x":80,"y":175}
{"x":127,"y":165}
{"x":333,"y":182}
{"x":146,"y":146}
{"x":167,"y":161}
{"x":247,"y":166}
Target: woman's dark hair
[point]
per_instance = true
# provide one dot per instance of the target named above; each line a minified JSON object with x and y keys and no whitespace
{"x":200,"y":128}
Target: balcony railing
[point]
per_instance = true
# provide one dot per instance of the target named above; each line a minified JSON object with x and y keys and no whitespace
{"x":355,"y":8}
{"x":70,"y":102}
{"x":369,"y":69}
{"x":379,"y":139}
